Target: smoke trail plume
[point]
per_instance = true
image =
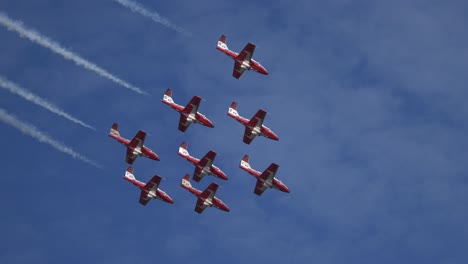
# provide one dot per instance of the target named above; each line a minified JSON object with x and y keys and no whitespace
{"x":37,"y":38}
{"x":27,"y":95}
{"x":138,"y":8}
{"x":41,"y":137}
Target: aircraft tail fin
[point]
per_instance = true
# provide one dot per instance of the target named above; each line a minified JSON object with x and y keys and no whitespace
{"x":222,"y":43}
{"x":186,"y":181}
{"x":245,"y":162}
{"x":183,"y":149}
{"x":114,"y":130}
{"x":233,"y":110}
{"x":168,"y":96}
{"x":129,"y":173}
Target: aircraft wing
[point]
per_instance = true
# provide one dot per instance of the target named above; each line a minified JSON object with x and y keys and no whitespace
{"x":153,"y":184}
{"x":138,"y":140}
{"x":259,"y":188}
{"x":248,"y":135}
{"x":257,"y":119}
{"x":183,"y":123}
{"x":269,"y":173}
{"x":238,"y":70}
{"x":209,"y":192}
{"x":130,"y":157}
{"x":190,"y":109}
{"x":192,"y":106}
{"x":207,"y":160}
{"x":200,"y":206}
{"x":247,"y":53}
{"x":144,"y":199}
{"x":266,"y":177}
{"x":197,"y":174}
{"x":150,"y":187}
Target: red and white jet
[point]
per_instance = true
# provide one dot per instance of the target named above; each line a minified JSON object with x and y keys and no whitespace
{"x":253,"y":127}
{"x":188,"y":114}
{"x":205,"y":198}
{"x":264,"y":180}
{"x":242,"y":61}
{"x":149,"y":190}
{"x":204,"y":166}
{"x":135,"y":148}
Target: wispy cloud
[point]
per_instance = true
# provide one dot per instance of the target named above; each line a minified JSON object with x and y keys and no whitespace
{"x":44,"y":41}
{"x":41,"y":137}
{"x":138,"y":8}
{"x":27,"y":95}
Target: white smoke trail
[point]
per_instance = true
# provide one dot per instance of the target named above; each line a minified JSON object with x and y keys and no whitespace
{"x":27,"y":95}
{"x":41,"y":137}
{"x":138,"y":8}
{"x":37,"y":38}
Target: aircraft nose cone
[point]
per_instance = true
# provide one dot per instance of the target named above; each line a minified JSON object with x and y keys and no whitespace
{"x":273,"y":136}
{"x":155,"y":157}
{"x":168,"y":199}
{"x":224,"y":176}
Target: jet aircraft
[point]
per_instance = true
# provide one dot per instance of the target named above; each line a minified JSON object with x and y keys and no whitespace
{"x":135,"y":147}
{"x":253,"y":127}
{"x":266,"y":179}
{"x":188,"y":114}
{"x":242,"y":61}
{"x":206,"y":198}
{"x":204,"y":166}
{"x":149,"y":190}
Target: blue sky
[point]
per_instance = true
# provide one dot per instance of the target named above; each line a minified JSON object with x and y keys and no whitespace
{"x":368,"y":99}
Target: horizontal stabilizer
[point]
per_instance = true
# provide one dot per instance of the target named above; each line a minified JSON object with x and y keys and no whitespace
{"x":222,"y":43}
{"x":186,"y":181}
{"x":129,"y":173}
{"x":183,"y":149}
{"x":244,"y":164}
{"x":114,"y":130}
{"x":233,"y":110}
{"x":168,"y":96}
{"x":222,"y":39}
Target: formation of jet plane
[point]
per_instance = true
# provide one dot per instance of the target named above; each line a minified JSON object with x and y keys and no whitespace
{"x":135,"y":147}
{"x":206,"y":198}
{"x":204,"y":166}
{"x":149,"y":190}
{"x":189,"y":114}
{"x":253,"y":127}
{"x":265,"y":179}
{"x":242,"y":61}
